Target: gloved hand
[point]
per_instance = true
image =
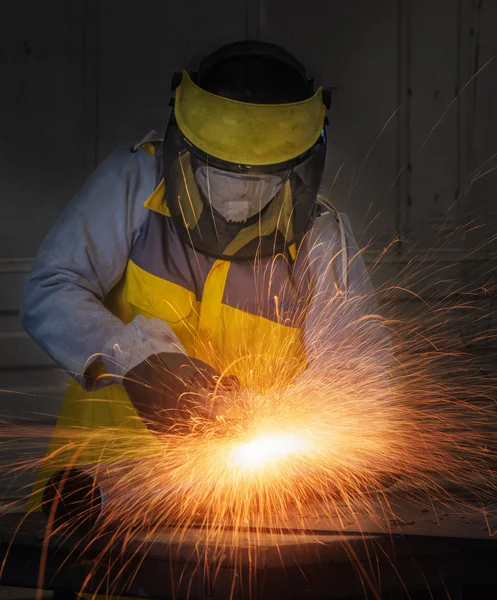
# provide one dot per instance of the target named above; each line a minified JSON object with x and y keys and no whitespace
{"x":166,"y":387}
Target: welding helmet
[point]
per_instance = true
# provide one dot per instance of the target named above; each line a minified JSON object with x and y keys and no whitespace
{"x":244,"y":152}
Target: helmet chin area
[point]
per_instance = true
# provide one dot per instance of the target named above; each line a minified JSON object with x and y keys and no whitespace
{"x":238,"y":196}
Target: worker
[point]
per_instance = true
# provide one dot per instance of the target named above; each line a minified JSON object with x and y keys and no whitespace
{"x":199,"y":258}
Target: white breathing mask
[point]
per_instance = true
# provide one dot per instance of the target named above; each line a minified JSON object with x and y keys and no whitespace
{"x":237,"y":196}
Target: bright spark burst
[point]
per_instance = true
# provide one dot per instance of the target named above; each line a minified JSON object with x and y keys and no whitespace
{"x":384,"y":399}
{"x":267,"y":449}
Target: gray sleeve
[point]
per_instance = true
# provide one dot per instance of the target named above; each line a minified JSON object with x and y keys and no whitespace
{"x":80,"y":261}
{"x":344,"y":327}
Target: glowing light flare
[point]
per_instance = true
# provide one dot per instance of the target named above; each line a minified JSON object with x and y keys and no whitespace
{"x":268,"y":449}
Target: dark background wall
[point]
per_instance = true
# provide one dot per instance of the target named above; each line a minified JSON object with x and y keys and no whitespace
{"x":413,"y":122}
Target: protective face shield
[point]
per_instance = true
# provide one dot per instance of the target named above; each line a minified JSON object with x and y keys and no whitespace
{"x":238,"y":196}
{"x":242,"y":176}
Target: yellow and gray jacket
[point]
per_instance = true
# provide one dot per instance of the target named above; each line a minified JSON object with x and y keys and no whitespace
{"x":112,"y":282}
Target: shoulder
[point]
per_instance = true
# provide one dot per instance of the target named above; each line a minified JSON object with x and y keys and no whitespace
{"x":136,"y":159}
{"x":118,"y":188}
{"x":128,"y":161}
{"x":127,"y":175}
{"x":330,"y":227}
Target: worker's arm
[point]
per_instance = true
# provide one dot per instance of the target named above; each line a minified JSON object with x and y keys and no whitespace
{"x":344,"y":330}
{"x":81,"y":260}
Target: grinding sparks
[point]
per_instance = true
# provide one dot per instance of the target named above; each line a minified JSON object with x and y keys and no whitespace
{"x":316,"y":443}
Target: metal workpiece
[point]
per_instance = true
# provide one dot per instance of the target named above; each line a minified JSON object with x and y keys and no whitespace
{"x":166,"y":563}
{"x":387,"y":546}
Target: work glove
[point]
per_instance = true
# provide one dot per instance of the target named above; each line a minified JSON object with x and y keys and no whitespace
{"x":170,"y":387}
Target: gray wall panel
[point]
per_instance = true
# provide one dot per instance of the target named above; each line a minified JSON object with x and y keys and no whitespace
{"x":433,"y":119}
{"x":17,"y":350}
{"x":10,"y":291}
{"x":481,"y":142}
{"x":42,"y":131}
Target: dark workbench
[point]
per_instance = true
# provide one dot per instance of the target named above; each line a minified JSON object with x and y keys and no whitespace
{"x":294,"y":565}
